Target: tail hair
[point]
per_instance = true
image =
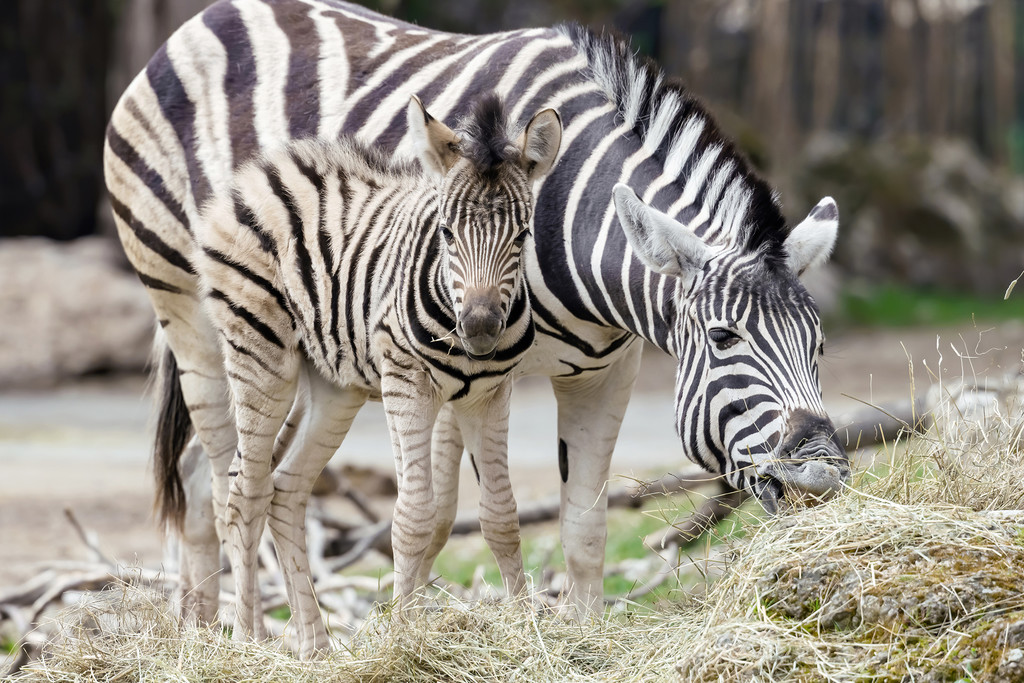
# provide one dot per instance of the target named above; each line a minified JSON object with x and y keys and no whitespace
{"x":173,"y":430}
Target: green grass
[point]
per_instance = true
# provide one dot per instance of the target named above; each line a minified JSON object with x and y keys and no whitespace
{"x":892,"y":306}
{"x":461,"y":557}
{"x":282,"y":613}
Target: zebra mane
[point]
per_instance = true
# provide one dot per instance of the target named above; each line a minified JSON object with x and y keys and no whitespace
{"x":485,"y":138}
{"x":665,"y":115}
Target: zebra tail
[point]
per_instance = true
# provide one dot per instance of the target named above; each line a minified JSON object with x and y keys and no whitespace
{"x":173,"y":430}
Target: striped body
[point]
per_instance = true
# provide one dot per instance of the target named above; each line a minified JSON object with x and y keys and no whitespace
{"x":351,"y":267}
{"x":328,"y":276}
{"x":247,"y":74}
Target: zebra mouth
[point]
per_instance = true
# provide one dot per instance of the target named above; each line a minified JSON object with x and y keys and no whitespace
{"x":485,"y":356}
{"x":769,"y":493}
{"x":801,"y":483}
{"x":480,"y":347}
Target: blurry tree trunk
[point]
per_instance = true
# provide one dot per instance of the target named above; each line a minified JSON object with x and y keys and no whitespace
{"x":687,"y":33}
{"x":1017,"y":131}
{"x":826,"y":66}
{"x":898,"y":63}
{"x":770,"y":85}
{"x":62,"y":67}
{"x":52,"y":115}
{"x":1000,"y":114}
{"x":144,"y":26}
{"x":937,"y":69}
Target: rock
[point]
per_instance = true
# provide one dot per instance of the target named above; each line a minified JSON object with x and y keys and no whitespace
{"x":920,"y":215}
{"x":69,"y":309}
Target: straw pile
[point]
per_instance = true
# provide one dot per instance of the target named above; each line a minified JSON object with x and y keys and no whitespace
{"x":916,"y":574}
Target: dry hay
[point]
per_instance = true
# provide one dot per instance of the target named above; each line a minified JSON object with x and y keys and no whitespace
{"x":915,"y":574}
{"x":130,"y":634}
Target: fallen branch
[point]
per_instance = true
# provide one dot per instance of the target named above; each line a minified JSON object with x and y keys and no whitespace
{"x":88,"y":537}
{"x":875,"y":424}
{"x":711,"y":512}
{"x":619,"y":497}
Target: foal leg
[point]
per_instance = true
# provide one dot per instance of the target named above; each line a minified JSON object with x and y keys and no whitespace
{"x":484,"y":423}
{"x":411,"y":405}
{"x":263,"y":385}
{"x":445,"y":459}
{"x":313,"y":439}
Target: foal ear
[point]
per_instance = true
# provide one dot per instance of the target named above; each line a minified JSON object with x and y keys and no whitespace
{"x":436,"y":145}
{"x":810,"y":243}
{"x":540,"y":143}
{"x":664,"y":245}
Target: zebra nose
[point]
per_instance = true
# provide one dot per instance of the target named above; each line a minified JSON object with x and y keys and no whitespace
{"x":481,"y":323}
{"x":811,"y":464}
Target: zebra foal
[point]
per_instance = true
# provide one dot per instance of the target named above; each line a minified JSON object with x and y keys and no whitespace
{"x":327,"y":261}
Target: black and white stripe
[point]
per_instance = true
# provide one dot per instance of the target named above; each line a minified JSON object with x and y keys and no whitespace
{"x":331,"y":275}
{"x":322,"y":67}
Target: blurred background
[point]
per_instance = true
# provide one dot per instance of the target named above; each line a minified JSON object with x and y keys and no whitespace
{"x":909,"y":112}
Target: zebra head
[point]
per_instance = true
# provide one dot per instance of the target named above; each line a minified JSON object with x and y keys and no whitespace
{"x":748,"y":396}
{"x":485,"y":206}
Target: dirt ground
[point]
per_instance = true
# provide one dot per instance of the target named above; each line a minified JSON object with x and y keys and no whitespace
{"x":83,"y":447}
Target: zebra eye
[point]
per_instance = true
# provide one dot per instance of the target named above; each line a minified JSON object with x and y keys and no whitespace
{"x":821,"y":349}
{"x":521,"y":237}
{"x":723,"y":338}
{"x":447,"y":234}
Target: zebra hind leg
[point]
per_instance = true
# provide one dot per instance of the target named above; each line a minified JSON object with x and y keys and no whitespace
{"x":200,"y":562}
{"x":204,"y":389}
{"x":263,"y":385}
{"x":314,"y":436}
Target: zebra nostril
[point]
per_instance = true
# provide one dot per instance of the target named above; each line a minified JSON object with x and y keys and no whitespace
{"x":480,"y":321}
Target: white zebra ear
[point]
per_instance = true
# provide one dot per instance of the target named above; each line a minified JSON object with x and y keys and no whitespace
{"x":540,"y":143}
{"x":436,"y":145}
{"x":810,"y":243}
{"x":664,"y":245}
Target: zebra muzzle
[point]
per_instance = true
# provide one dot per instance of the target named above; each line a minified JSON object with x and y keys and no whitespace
{"x":803,"y":483}
{"x":481,"y":322}
{"x":811,"y":466}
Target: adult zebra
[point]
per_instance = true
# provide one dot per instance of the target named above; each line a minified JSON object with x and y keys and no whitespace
{"x":723,"y":297}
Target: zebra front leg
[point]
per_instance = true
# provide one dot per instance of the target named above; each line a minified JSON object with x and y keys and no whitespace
{"x":263,"y":393}
{"x":411,"y":405}
{"x":484,"y":424}
{"x":590,"y":411}
{"x":446,"y":460}
{"x":313,"y":440}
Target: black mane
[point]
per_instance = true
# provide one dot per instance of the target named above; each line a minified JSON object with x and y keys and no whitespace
{"x":485,"y":136}
{"x":638,"y":88}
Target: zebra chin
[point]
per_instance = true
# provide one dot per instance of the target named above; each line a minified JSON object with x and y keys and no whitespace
{"x":482,"y":346}
{"x":474,"y":353}
{"x":810,"y":468}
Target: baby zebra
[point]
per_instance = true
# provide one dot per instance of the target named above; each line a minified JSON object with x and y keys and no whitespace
{"x":329,"y":264}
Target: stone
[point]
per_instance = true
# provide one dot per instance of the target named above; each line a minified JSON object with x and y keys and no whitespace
{"x":69,"y":309}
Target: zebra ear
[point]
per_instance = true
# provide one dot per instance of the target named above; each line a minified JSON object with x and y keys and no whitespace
{"x":661,"y":243}
{"x":436,"y":145}
{"x":540,"y":143}
{"x":810,"y":243}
